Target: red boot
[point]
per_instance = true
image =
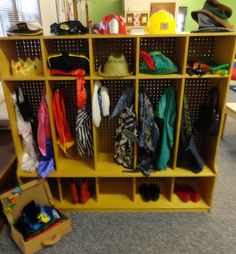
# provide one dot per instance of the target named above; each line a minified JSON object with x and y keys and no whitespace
{"x":182,"y":193}
{"x":74,"y":193}
{"x":85,"y":194}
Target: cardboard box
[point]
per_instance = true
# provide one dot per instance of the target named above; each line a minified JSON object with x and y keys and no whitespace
{"x":38,"y":191}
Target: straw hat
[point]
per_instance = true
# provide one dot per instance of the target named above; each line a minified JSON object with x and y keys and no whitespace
{"x":213,"y":17}
{"x":115,"y":66}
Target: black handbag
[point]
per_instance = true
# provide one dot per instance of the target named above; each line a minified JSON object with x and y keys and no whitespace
{"x":209,"y":115}
{"x":188,"y":156}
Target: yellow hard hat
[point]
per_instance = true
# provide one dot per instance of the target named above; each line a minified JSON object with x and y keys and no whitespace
{"x":161,"y":22}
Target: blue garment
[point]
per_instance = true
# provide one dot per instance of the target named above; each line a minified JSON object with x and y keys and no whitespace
{"x":46,"y":163}
{"x":125,"y":101}
{"x":166,"y":116}
{"x":126,"y":134}
{"x":148,"y":134}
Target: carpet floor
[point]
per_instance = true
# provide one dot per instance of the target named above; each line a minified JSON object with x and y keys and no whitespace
{"x":165,"y":233}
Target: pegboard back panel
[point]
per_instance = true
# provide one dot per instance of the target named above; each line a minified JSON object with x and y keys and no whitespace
{"x":33,"y":91}
{"x":162,"y":182}
{"x":116,"y":186}
{"x":77,"y":46}
{"x":68,"y":88}
{"x":155,"y":88}
{"x":194,"y":182}
{"x":28,"y":49}
{"x":102,"y":48}
{"x":106,"y":131}
{"x":202,"y":49}
{"x":196,"y":92}
{"x":165,"y":45}
{"x":115,"y":180}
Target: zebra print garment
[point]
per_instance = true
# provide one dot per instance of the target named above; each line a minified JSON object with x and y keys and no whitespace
{"x":84,"y":135}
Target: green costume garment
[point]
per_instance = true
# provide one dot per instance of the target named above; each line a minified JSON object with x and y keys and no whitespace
{"x":166,"y":116}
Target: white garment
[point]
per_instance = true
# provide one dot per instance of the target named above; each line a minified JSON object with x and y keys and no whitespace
{"x":29,"y":158}
{"x":95,"y":105}
{"x":96,"y":113}
{"x":105,"y":101}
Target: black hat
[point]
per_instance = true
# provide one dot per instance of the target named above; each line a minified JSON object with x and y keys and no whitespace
{"x":213,"y":17}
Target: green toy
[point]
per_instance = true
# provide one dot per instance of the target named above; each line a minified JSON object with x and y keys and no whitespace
{"x":220,"y":69}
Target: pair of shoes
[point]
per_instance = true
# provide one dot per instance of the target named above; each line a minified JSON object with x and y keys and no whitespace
{"x":187,"y":193}
{"x":149,"y":192}
{"x":80,"y":194}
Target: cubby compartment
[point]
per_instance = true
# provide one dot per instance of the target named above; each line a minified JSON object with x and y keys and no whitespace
{"x":203,"y":186}
{"x":83,"y":192}
{"x":196,"y":92}
{"x":53,"y":46}
{"x":115,"y":193}
{"x":208,"y":50}
{"x":55,"y":189}
{"x":73,"y":165}
{"x":105,"y":141}
{"x":153,"y":192}
{"x":32,"y":92}
{"x":11,"y":49}
{"x":155,"y":88}
{"x":104,"y":47}
{"x":172,"y":47}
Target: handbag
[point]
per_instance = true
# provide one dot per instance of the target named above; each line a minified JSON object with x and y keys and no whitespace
{"x":209,"y":115}
{"x":188,"y":154}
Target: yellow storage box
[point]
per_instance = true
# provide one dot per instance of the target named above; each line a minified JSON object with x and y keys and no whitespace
{"x":39,"y":192}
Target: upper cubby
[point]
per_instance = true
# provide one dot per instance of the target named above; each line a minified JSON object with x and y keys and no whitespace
{"x":32,"y":91}
{"x":208,"y":49}
{"x":54,"y":45}
{"x":23,"y":49}
{"x":172,"y":47}
{"x":105,"y":141}
{"x":104,"y":47}
{"x":155,"y":88}
{"x":196,"y":92}
{"x":74,"y":165}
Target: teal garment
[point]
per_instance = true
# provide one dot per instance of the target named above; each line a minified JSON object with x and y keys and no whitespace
{"x":166,"y":114}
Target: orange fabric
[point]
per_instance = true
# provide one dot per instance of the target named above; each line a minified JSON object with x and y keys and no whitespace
{"x":81,"y":95}
{"x":65,"y":138}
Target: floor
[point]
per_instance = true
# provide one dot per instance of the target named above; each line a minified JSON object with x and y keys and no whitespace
{"x":165,"y":233}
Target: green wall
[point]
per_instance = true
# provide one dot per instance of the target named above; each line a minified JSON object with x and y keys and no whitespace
{"x":99,"y":8}
{"x":192,"y":5}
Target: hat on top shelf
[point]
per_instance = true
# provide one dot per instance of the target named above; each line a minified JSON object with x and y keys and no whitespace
{"x":161,"y":22}
{"x":29,"y":28}
{"x":213,"y":17}
{"x":115,"y":66}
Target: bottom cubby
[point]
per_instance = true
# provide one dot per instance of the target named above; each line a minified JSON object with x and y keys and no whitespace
{"x":130,"y":193}
{"x":193,"y":192}
{"x":78,"y":193}
{"x":115,"y":192}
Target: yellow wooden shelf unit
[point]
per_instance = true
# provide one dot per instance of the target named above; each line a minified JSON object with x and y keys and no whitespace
{"x":115,"y":189}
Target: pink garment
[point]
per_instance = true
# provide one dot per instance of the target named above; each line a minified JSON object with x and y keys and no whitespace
{"x":43,"y":131}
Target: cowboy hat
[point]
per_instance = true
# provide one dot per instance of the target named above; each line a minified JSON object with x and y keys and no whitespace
{"x":213,"y":17}
{"x":115,"y":66}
